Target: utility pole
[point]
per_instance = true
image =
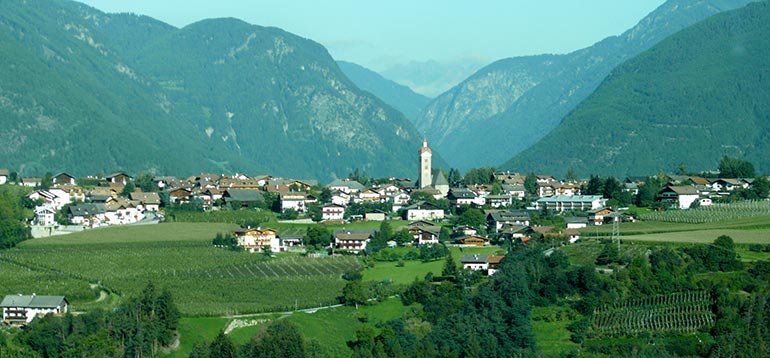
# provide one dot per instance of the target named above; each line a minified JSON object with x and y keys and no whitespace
{"x":616,"y":228}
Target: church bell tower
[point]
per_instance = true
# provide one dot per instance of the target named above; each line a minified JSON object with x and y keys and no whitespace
{"x":425,"y":165}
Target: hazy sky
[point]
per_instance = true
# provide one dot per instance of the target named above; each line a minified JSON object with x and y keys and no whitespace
{"x":380,"y":34}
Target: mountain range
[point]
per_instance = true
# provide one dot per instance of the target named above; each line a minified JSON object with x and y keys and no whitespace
{"x":509,"y":105}
{"x":694,"y":98}
{"x":89,"y":92}
{"x":396,"y":95}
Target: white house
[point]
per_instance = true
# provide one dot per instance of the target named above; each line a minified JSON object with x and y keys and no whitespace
{"x":22,"y":309}
{"x":55,"y":198}
{"x":574,"y":202}
{"x":474,"y":262}
{"x":353,"y":241}
{"x":3,"y":176}
{"x":424,"y":211}
{"x":122,"y":212}
{"x":399,"y":200}
{"x":296,"y":201}
{"x":678,"y":196}
{"x":332,"y":212}
{"x":45,"y":215}
{"x":258,"y":239}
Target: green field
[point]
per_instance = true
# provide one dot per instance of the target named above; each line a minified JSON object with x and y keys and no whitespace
{"x":550,"y":326}
{"x":204,"y":280}
{"x":655,"y":227}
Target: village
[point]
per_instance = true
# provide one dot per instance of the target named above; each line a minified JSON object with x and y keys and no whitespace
{"x":437,"y":211}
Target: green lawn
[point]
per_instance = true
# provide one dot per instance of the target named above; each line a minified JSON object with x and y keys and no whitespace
{"x":402,"y":275}
{"x":197,"y":329}
{"x":137,"y":234}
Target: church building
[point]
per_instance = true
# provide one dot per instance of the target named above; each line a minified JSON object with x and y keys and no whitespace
{"x":429,"y":179}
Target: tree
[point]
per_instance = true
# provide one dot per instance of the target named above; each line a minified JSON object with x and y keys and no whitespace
{"x":735,"y":168}
{"x":326,"y":196}
{"x":144,"y":181}
{"x":127,"y":189}
{"x":571,"y":175}
{"x":472,"y":217}
{"x":281,"y":339}
{"x":317,"y":236}
{"x":354,"y":293}
{"x":454,"y":178}
{"x":223,"y":347}
{"x":450,"y":266}
{"x":530,"y":184}
{"x":595,"y":186}
{"x":47,"y":181}
{"x":403,"y":237}
{"x":761,"y":187}
{"x":681,"y":168}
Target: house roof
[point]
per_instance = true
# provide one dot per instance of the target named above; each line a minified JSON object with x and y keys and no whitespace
{"x":4,"y":172}
{"x":146,"y":198}
{"x":681,"y":190}
{"x":350,"y":184}
{"x":473,"y":259}
{"x":33,"y":301}
{"x":359,"y":235}
{"x":495,"y":259}
{"x":243,"y":195}
{"x":576,"y":220}
{"x":570,"y":199}
{"x":83,"y":209}
{"x":422,"y":205}
{"x":462,"y":194}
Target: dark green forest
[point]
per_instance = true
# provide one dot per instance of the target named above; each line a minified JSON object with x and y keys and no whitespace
{"x":695,"y":97}
{"x":89,"y":92}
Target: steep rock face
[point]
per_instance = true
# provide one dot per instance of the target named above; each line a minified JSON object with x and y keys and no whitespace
{"x":486,"y":134}
{"x":400,"y":97}
{"x":695,"y":97}
{"x":488,"y":92}
{"x":133,"y":93}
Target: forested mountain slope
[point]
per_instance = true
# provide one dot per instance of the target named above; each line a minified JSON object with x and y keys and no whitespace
{"x":697,"y":96}
{"x":509,"y":105}
{"x":85,"y":92}
{"x":397,"y":96}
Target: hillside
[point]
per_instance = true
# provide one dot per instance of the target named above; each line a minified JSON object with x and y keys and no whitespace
{"x":397,"y":96}
{"x":694,"y":98}
{"x":89,"y":92}
{"x":509,"y":105}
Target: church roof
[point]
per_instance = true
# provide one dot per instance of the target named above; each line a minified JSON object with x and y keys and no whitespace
{"x":439,"y":179}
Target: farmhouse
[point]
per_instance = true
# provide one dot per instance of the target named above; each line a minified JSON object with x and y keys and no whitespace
{"x":257,"y":239}
{"x":352,"y":240}
{"x":3,"y":176}
{"x":332,"y":212}
{"x":678,"y":196}
{"x":242,"y":198}
{"x":147,"y":201}
{"x":473,"y":240}
{"x":63,"y":179}
{"x":474,"y":262}
{"x":45,"y":215}
{"x":22,"y":309}
{"x":424,"y":211}
{"x":118,"y":178}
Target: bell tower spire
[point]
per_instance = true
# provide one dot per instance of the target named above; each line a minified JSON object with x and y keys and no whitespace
{"x":425,"y":179}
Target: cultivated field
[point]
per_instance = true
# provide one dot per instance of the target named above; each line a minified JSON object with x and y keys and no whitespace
{"x":204,"y":280}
